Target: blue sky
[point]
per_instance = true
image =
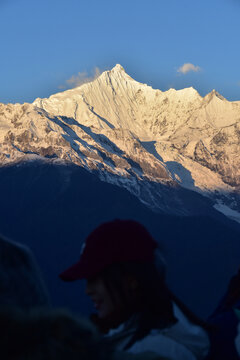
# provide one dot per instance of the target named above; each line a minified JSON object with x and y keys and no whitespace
{"x":44,"y":44}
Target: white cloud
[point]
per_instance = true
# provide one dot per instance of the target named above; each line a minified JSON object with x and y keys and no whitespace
{"x":187,"y":67}
{"x":80,"y":79}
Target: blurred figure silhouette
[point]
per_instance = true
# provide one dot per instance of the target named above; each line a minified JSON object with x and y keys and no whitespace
{"x":21,"y":283}
{"x":48,"y":334}
{"x":30,"y":329}
{"x":136,"y":312}
{"x":225,"y":320}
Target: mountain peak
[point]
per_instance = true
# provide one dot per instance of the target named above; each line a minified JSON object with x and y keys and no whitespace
{"x":184,"y":94}
{"x":118,"y":67}
{"x":117,"y":73}
{"x":213,"y":94}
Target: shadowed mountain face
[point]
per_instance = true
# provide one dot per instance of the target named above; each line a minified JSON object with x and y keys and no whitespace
{"x":133,"y":136}
{"x":52,"y":207}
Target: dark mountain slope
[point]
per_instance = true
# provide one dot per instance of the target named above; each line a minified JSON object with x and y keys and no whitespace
{"x":52,"y":208}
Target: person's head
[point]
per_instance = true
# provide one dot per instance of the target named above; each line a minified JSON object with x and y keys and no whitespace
{"x":118,"y":262}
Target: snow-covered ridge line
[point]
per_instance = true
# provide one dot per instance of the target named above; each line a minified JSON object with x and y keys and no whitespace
{"x":133,"y":134}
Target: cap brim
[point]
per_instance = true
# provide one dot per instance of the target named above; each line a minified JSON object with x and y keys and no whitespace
{"x":75,"y":272}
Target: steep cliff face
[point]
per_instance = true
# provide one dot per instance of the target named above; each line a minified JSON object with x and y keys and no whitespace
{"x":134,"y":136}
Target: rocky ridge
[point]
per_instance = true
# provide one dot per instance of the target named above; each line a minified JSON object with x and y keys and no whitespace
{"x":134,"y":136}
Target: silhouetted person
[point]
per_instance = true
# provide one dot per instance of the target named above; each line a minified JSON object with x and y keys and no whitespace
{"x":21,"y":283}
{"x":136,"y":312}
{"x":30,"y":329}
{"x":48,"y":334}
{"x":225,"y":321}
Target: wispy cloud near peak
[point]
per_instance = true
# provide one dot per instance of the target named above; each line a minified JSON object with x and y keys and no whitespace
{"x":187,"y":67}
{"x":80,"y":79}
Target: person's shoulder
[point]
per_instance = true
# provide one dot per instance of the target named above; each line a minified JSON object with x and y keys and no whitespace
{"x":162,"y":345}
{"x":147,"y":355}
{"x":191,"y":335}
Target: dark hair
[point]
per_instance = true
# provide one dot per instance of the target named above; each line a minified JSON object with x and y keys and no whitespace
{"x":151,"y":301}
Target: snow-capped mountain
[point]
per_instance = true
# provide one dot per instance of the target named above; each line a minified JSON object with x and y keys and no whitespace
{"x":176,"y":151}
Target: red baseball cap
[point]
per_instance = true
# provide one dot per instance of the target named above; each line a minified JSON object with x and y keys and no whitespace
{"x":112,"y":242}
